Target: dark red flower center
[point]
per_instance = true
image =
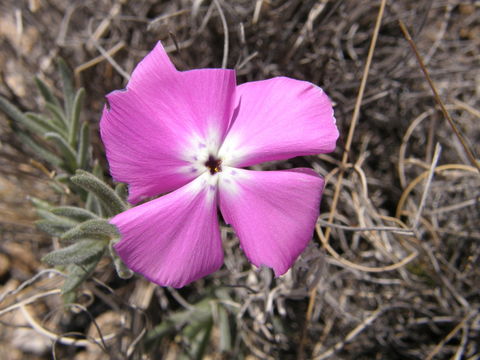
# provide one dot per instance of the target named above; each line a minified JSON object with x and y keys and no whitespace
{"x":213,"y":164}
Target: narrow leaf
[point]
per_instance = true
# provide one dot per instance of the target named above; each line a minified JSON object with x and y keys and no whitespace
{"x":121,"y":190}
{"x":15,"y":114}
{"x":105,"y":193}
{"x":78,"y":273}
{"x":48,"y":215}
{"x":46,"y":124}
{"x":69,"y":297}
{"x":62,"y":178}
{"x":77,"y":253}
{"x":153,"y":336}
{"x":55,"y":227}
{"x":40,"y":151}
{"x":123,"y":271}
{"x":94,"y":228}
{"x":58,"y":117}
{"x":200,"y":339}
{"x":58,"y":188}
{"x":98,"y":170}
{"x":74,"y":213}
{"x":46,"y":92}
{"x":75,"y":117}
{"x":39,"y":203}
{"x":83,"y":146}
{"x":200,"y":313}
{"x":225,"y":331}
{"x":65,"y":148}
{"x":93,"y":204}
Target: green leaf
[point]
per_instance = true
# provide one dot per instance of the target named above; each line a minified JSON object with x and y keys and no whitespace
{"x":153,"y":336}
{"x":55,"y":227}
{"x":46,"y":92}
{"x":74,"y":213}
{"x":98,"y":170}
{"x":40,"y":151}
{"x":15,"y":114}
{"x":62,"y":178}
{"x":198,"y":316}
{"x":199,"y":334}
{"x":75,"y":117}
{"x":105,"y":193}
{"x":122,"y":191}
{"x":47,"y":124}
{"x":83,"y":146}
{"x":78,"y":273}
{"x":68,"y":153}
{"x":93,"y":204}
{"x":200,"y":312}
{"x":77,"y":253}
{"x":67,"y":85}
{"x":123,"y":271}
{"x":48,"y":215}
{"x":225,"y":331}
{"x":58,"y":117}
{"x":201,"y":343}
{"x":69,"y":297}
{"x":95,"y":228}
{"x":39,"y":203}
{"x":58,"y":188}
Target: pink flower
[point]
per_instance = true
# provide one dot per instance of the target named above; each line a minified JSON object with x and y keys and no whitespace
{"x":189,"y":134}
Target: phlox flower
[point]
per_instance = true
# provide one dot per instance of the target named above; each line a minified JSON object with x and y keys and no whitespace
{"x":189,"y":135}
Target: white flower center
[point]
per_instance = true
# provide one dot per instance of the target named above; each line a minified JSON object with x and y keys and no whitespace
{"x":202,"y":155}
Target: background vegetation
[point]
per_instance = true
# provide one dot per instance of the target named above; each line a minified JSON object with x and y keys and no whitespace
{"x":392,"y":272}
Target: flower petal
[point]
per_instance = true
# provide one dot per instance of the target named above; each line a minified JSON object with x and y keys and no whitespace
{"x":278,"y":119}
{"x":272,"y":212}
{"x":155,"y":130}
{"x":155,"y":65}
{"x":175,"y":239}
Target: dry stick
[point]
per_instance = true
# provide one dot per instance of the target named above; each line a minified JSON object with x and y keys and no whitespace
{"x":348,"y":145}
{"x":110,"y":59}
{"x":119,"y":46}
{"x":439,"y":101}
{"x":374,"y":228}
{"x":355,"y":116}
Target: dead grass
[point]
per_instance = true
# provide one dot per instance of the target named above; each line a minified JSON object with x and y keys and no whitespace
{"x":393,"y":272}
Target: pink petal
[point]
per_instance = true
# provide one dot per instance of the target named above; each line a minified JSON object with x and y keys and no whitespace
{"x":154,"y":130}
{"x":272,"y":212}
{"x":175,"y":239}
{"x":278,"y":119}
{"x":147,"y":70}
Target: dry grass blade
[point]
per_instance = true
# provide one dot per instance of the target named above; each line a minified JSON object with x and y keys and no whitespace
{"x":431,"y":171}
{"x":225,"y":34}
{"x":439,"y":101}
{"x":338,"y":184}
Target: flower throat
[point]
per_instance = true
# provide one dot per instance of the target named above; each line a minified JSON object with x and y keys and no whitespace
{"x":213,"y":164}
